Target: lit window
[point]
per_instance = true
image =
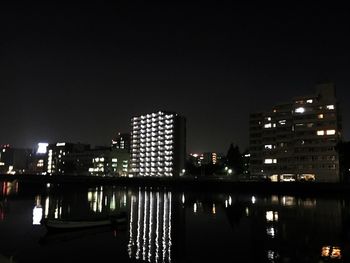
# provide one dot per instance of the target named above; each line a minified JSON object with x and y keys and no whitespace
{"x":282,"y":122}
{"x":309,"y":101}
{"x":320,"y":116}
{"x":320,"y":133}
{"x":330,"y":107}
{"x":267,"y":125}
{"x":330,"y":132}
{"x":271,"y":216}
{"x":268,"y":146}
{"x":268,"y":161}
{"x":300,"y":110}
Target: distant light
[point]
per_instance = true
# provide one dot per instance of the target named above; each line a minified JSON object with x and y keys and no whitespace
{"x":320,"y":132}
{"x":300,"y":110}
{"x":37,"y":215}
{"x":42,"y":148}
{"x":269,"y":216}
{"x":253,"y":199}
{"x":214,"y":209}
{"x":330,"y":132}
{"x":60,"y":144}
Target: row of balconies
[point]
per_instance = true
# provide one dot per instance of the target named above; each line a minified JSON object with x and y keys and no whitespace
{"x":153,"y":154}
{"x":166,"y":129}
{"x":155,"y":169}
{"x":143,"y":165}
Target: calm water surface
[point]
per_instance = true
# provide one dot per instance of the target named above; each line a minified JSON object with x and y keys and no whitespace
{"x":170,"y":226}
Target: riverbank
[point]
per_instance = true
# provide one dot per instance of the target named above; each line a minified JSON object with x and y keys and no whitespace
{"x":190,"y":184}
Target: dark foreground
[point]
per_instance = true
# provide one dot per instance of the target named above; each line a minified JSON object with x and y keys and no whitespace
{"x":210,"y":222}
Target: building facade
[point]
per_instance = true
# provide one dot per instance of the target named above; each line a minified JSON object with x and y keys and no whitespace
{"x":110,"y":162}
{"x":80,"y":159}
{"x":14,"y":160}
{"x":56,"y":158}
{"x":297,"y":140}
{"x":158,"y":144}
{"x":121,"y":141}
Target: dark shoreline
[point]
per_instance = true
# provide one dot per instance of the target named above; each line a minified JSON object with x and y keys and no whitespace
{"x":191,"y":184}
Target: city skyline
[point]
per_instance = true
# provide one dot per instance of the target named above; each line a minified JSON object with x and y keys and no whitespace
{"x":80,"y":73}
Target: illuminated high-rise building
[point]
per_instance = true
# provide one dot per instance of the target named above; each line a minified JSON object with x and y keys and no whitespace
{"x":297,"y":140}
{"x":158,"y":144}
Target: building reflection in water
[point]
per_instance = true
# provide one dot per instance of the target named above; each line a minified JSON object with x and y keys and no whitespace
{"x":150,"y":226}
{"x":295,"y":228}
{"x":97,"y":202}
{"x":37,"y":211}
{"x":278,"y":228}
{"x":9,"y":188}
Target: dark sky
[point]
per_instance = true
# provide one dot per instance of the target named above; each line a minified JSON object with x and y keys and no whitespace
{"x":79,"y":72}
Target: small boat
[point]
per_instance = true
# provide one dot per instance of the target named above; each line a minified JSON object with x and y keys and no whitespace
{"x":65,"y":235}
{"x":60,"y":224}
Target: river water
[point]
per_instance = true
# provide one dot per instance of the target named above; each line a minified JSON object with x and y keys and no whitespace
{"x":171,"y":226}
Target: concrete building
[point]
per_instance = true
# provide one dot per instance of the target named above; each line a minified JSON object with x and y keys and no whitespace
{"x":80,"y":159}
{"x":14,"y":160}
{"x":110,"y":162}
{"x":207,"y":158}
{"x":56,"y":163}
{"x":121,"y":141}
{"x":297,"y":140}
{"x":158,"y":144}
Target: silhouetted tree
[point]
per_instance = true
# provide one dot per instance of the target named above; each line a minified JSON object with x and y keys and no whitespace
{"x":234,"y":159}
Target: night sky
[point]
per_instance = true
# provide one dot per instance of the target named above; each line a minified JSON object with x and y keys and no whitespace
{"x":79,"y":73}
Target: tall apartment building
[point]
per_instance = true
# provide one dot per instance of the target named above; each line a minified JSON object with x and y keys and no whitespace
{"x":297,"y":140}
{"x":158,"y":144}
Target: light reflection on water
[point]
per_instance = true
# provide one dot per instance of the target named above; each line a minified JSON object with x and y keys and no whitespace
{"x":166,"y":226}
